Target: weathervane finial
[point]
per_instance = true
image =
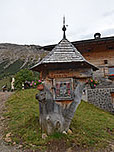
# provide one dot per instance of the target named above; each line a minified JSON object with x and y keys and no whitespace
{"x":64,"y":28}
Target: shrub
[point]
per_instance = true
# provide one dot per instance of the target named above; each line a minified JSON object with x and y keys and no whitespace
{"x":22,"y":76}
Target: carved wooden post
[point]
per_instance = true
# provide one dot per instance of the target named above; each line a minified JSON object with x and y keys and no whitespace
{"x":53,"y":116}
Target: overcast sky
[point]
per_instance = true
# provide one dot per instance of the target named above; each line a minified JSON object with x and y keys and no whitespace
{"x":40,"y":21}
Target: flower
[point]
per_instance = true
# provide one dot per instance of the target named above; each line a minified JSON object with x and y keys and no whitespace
{"x":39,"y":81}
{"x":93,"y":83}
{"x":35,"y":83}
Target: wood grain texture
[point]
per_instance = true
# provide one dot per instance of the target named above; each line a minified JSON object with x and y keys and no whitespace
{"x":57,"y":116}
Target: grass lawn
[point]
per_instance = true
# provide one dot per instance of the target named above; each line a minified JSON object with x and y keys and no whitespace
{"x":91,"y":126}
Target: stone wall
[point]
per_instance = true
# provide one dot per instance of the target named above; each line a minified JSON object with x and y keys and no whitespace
{"x":102,"y":98}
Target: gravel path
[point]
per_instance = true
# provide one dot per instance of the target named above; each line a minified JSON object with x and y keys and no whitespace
{"x":4,"y":147}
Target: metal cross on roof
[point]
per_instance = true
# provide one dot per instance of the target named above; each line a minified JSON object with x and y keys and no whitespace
{"x":64,"y":28}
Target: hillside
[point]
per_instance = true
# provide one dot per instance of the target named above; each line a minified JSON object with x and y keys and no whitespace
{"x":92,"y":128}
{"x":14,"y":57}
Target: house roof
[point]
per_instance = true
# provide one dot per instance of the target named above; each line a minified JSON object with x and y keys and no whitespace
{"x":64,"y":52}
{"x":81,"y":43}
{"x":64,"y":55}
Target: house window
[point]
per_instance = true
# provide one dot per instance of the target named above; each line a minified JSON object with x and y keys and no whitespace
{"x":105,"y":61}
{"x":63,"y":89}
{"x":110,"y":47}
{"x":111,"y":72}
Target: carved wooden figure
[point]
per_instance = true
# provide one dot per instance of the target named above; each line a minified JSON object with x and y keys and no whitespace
{"x":57,"y":116}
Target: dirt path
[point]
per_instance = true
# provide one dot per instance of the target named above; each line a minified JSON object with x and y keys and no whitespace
{"x":4,"y":147}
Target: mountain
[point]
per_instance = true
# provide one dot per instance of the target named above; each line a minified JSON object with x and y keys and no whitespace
{"x":14,"y":57}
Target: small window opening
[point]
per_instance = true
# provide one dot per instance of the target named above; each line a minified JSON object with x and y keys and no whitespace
{"x":110,"y":47}
{"x":88,"y":50}
{"x":111,"y":73}
{"x":105,"y":61}
{"x":111,"y":70}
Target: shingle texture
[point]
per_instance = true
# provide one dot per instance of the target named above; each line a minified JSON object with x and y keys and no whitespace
{"x":64,"y":52}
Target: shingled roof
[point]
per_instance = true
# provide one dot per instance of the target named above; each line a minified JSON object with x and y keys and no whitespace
{"x":64,"y":53}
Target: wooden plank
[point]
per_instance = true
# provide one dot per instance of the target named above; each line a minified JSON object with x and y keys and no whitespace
{"x":68,"y":74}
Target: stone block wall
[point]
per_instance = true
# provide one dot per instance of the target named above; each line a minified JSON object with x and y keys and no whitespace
{"x":101,"y":97}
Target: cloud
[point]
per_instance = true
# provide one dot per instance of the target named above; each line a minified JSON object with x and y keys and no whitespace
{"x":40,"y":22}
{"x":104,"y":33}
{"x":108,"y":13}
{"x":107,"y":32}
{"x":87,"y":36}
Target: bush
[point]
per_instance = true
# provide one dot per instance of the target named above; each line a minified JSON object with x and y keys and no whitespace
{"x":22,"y":76}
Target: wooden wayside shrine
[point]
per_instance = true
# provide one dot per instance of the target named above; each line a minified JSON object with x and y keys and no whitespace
{"x":64,"y":72}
